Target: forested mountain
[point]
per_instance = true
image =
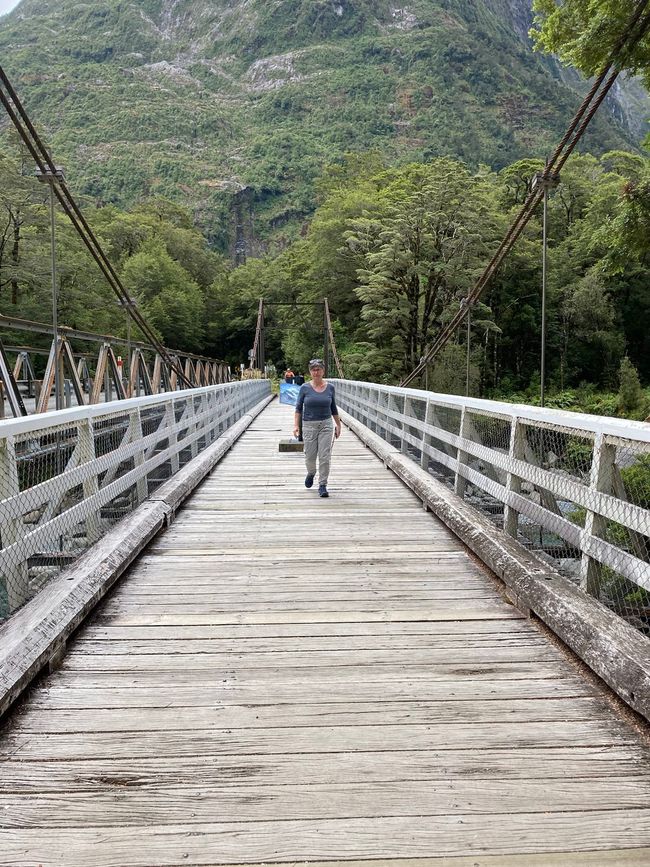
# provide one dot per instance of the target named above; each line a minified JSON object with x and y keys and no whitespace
{"x":358,"y":150}
{"x":233,"y":106}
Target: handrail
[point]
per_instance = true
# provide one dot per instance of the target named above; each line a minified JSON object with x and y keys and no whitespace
{"x":625,"y":428}
{"x":572,"y":487}
{"x":69,"y":475}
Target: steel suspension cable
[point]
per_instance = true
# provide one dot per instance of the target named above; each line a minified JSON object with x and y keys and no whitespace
{"x":637,"y":28}
{"x":46,"y":167}
{"x":332,"y":342}
{"x":258,"y":332}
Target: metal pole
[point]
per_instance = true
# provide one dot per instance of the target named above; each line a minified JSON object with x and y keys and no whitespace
{"x":58,"y":391}
{"x":542,"y":381}
{"x":326,"y":336}
{"x":469,"y":331}
{"x":128,"y":347}
{"x":262,"y":348}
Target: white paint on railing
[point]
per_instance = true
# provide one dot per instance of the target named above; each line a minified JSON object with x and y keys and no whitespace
{"x":60,"y":472}
{"x":580,"y":506}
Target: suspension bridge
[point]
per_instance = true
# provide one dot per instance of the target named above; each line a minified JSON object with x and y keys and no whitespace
{"x":204,"y":663}
{"x":447,"y":663}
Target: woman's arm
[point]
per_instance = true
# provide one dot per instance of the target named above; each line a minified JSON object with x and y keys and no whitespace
{"x":298,"y":413}
{"x":335,"y":416}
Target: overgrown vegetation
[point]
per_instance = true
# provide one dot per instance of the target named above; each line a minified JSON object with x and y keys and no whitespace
{"x":372,"y":154}
{"x":195,"y":101}
{"x":395,"y":250}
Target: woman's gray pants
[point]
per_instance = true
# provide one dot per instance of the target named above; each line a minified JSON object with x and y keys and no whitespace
{"x":318,"y":438}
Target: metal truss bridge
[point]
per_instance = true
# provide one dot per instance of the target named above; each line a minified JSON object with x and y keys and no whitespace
{"x":201,"y":662}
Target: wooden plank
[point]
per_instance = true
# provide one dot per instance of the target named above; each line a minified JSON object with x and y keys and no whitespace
{"x":292,"y":768}
{"x":464,"y":630}
{"x":323,"y":675}
{"x":142,"y":806}
{"x":72,"y":694}
{"x":310,"y":739}
{"x":399,"y":615}
{"x":193,"y":660}
{"x":31,"y":719}
{"x":463,"y":651}
{"x":384,"y":837}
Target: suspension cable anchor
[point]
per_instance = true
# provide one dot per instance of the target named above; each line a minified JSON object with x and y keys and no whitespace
{"x":543,"y":181}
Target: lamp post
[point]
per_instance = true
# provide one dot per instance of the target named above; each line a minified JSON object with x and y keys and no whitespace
{"x":546,"y":183}
{"x":51,"y":178}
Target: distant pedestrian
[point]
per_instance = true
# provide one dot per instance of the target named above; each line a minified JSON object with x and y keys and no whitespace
{"x":288,"y":376}
{"x":316,"y":407}
{"x":299,"y":379}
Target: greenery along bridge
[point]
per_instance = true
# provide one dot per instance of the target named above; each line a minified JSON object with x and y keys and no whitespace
{"x":280,"y":678}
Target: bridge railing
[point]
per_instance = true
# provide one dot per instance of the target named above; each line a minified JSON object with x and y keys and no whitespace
{"x":573,"y":488}
{"x":67,"y":476}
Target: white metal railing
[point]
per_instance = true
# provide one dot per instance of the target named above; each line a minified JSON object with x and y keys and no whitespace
{"x":67,"y":476}
{"x":574,"y":488}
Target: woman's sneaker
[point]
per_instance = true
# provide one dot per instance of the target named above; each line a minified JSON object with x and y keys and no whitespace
{"x":309,"y":480}
{"x":322,"y":491}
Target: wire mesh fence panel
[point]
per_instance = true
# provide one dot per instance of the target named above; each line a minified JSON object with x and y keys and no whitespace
{"x":66,"y":478}
{"x":573,"y":489}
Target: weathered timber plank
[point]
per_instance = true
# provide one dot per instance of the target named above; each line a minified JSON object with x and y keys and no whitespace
{"x":323,"y":768}
{"x":192,"y":660}
{"x":273,"y":648}
{"x":311,"y":739}
{"x":139,"y":807}
{"x":465,"y":630}
{"x":72,"y":694}
{"x":385,"y":837}
{"x":324,"y":675}
{"x":312,"y":607}
{"x":502,"y":612}
{"x":31,"y":719}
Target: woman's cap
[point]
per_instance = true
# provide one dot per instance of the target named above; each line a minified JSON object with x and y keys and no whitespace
{"x":316,"y":362}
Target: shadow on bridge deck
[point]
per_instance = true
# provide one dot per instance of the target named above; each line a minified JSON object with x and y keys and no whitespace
{"x":282,"y":678}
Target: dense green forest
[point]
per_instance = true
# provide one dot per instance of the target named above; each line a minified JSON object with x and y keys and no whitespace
{"x":395,"y":251}
{"x":376,"y":162}
{"x":232,"y":108}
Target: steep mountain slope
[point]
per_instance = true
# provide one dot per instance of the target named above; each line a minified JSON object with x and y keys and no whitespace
{"x":235,"y":105}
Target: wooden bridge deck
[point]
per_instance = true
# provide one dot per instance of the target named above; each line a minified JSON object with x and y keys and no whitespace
{"x":282,"y":678}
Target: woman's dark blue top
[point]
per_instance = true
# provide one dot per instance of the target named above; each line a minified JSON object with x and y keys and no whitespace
{"x":316,"y":405}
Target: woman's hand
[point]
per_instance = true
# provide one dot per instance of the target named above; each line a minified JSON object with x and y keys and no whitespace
{"x":296,"y":432}
{"x":337,"y":431}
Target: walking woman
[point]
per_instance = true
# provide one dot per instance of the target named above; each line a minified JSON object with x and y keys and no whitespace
{"x":317,"y":407}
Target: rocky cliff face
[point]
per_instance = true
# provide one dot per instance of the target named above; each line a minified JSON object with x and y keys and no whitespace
{"x":201,"y":99}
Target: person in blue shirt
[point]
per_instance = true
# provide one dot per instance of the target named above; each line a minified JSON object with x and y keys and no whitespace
{"x":316,"y":407}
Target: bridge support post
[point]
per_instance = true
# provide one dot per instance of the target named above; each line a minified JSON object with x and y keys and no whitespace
{"x":135,"y":435}
{"x":90,"y":486}
{"x":15,"y":575}
{"x":513,"y":482}
{"x":426,"y":439}
{"x":600,"y":479}
{"x":169,"y":421}
{"x":460,"y":484}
